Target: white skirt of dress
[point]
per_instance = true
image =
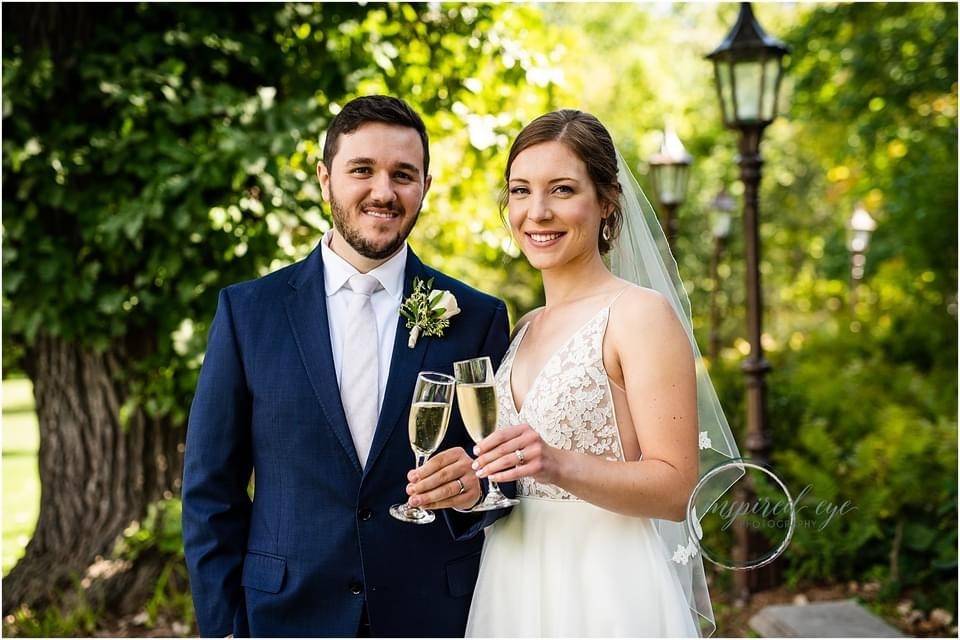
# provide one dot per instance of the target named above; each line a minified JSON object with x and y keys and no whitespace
{"x":561,"y":568}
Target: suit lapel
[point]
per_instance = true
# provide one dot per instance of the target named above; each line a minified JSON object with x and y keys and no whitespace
{"x":307,"y":311}
{"x":404,"y":367}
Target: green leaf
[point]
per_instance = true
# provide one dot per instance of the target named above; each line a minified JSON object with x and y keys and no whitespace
{"x":918,"y":536}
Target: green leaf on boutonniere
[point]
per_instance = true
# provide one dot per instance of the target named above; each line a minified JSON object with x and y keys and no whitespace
{"x":427,"y":312}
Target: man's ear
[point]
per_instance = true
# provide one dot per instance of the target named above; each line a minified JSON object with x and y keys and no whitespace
{"x":426,"y":186}
{"x":323,"y":177}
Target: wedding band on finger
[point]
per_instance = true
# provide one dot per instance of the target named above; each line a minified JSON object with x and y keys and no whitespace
{"x":519,"y":454}
{"x":463,"y":487}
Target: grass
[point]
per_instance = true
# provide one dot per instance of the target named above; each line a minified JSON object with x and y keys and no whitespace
{"x":21,"y":483}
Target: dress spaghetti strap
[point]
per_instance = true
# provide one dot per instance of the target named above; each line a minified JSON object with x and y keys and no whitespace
{"x":619,"y":293}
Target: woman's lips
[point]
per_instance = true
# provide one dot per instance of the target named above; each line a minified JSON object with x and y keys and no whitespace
{"x":543,"y":239}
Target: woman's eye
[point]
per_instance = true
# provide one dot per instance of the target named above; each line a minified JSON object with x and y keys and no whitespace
{"x":518,"y":191}
{"x":562,"y":188}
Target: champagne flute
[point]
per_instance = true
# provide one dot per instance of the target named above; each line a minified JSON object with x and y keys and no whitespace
{"x":477,"y":397}
{"x":429,"y":414}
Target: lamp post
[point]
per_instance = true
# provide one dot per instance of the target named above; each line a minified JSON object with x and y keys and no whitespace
{"x":670,"y":172}
{"x":861,"y":226}
{"x":723,"y":205}
{"x":748,"y":66}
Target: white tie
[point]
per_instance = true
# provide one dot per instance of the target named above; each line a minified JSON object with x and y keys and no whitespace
{"x":360,"y":369}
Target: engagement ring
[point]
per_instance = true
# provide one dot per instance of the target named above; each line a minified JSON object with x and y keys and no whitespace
{"x":519,"y":454}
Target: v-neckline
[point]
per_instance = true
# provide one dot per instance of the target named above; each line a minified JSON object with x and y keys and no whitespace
{"x":536,"y":378}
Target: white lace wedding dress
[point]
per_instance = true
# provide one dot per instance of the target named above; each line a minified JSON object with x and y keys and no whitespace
{"x":559,"y":566}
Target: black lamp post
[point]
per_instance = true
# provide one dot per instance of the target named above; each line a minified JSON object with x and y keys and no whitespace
{"x":723,"y":205}
{"x":670,"y":172}
{"x":861,"y":226}
{"x":748,"y":66}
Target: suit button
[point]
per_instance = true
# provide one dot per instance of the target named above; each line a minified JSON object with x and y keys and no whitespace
{"x":365,"y":514}
{"x":356,"y":588}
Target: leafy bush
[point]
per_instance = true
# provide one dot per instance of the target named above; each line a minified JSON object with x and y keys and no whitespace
{"x":869,"y":416}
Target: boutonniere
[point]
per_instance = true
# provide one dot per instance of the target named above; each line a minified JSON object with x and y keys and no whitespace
{"x":428,"y":311}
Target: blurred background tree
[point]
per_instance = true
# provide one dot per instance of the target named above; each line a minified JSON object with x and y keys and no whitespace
{"x":159,"y":152}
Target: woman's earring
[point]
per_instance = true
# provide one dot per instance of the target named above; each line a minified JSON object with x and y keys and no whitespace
{"x":606,"y":230}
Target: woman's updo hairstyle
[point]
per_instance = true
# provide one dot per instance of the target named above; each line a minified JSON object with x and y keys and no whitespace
{"x":583,"y":134}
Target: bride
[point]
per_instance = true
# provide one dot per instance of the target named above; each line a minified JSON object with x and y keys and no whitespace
{"x":602,"y":406}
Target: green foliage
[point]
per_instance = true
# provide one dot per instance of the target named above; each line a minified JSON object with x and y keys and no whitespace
{"x":179,"y":161}
{"x":864,"y":401}
{"x":857,"y":424}
{"x":80,"y":619}
{"x":887,"y":121}
{"x":159,"y":534}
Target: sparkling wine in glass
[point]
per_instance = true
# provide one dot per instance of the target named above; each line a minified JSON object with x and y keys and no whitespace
{"x":429,"y":415}
{"x":477,"y":398}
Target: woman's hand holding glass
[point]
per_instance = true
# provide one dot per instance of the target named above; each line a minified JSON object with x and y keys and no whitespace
{"x":477,"y":399}
{"x":516,"y":452}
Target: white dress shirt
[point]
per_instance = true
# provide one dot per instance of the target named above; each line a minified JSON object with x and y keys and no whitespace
{"x":386,"y":304}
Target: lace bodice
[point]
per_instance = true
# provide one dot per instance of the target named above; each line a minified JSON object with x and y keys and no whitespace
{"x":569,"y":403}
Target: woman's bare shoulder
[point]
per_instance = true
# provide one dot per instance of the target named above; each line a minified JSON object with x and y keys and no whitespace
{"x":643,"y":304}
{"x":642,"y":315}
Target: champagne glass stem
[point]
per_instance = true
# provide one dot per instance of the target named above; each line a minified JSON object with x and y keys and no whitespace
{"x":421,"y":460}
{"x":495,"y":488}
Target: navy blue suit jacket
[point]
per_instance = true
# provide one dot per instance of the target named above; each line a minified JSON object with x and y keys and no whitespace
{"x":300,"y":558}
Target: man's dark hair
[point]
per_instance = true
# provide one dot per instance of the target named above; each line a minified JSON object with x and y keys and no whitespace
{"x":360,"y":111}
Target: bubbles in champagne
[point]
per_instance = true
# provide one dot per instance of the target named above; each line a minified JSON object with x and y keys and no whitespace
{"x":478,"y":407}
{"x":428,"y":425}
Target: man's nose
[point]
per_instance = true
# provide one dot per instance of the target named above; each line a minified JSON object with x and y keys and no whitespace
{"x":382,"y":188}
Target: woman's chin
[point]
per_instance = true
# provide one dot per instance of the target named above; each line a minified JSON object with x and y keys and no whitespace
{"x":542,"y":262}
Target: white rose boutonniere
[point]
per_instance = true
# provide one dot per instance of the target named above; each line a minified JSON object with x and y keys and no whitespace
{"x":428,"y":311}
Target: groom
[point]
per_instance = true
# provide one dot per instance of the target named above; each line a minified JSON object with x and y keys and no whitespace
{"x":307,"y":382}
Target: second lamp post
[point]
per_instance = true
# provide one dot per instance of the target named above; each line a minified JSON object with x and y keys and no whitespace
{"x":861,"y":225}
{"x":670,"y":172}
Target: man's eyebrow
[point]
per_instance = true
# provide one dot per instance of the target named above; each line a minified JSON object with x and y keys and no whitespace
{"x":406,"y":166}
{"x":365,"y":162}
{"x":361,"y":161}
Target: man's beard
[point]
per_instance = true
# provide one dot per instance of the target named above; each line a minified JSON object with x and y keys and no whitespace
{"x":355,"y":239}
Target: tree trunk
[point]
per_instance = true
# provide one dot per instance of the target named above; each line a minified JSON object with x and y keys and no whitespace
{"x":96,"y":477}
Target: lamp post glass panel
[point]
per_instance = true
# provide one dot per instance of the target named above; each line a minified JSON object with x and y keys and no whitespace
{"x":670,"y":173}
{"x":723,"y":205}
{"x":748,"y":66}
{"x":861,"y":227}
